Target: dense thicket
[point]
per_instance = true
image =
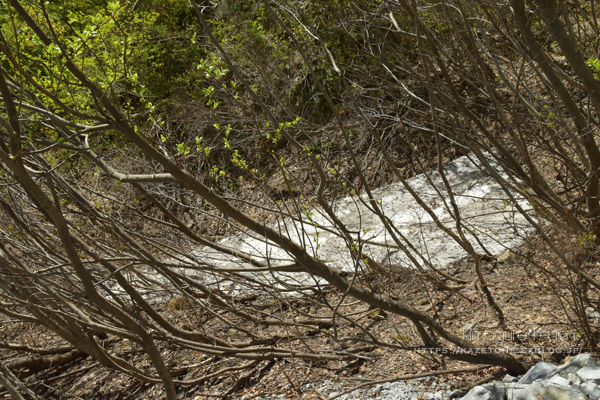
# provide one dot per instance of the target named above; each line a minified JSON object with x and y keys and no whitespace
{"x":132,"y":133}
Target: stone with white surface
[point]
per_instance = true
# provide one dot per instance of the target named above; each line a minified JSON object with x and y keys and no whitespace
{"x":497,"y":389}
{"x":591,"y":389}
{"x":479,"y":393}
{"x":577,"y":379}
{"x":589,"y":373}
{"x":577,"y":392}
{"x":573,"y":378}
{"x":540,"y":371}
{"x":556,"y":387}
{"x":574,"y":364}
{"x":557,"y":380}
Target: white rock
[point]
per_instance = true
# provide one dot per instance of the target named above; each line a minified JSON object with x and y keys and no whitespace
{"x":573,"y":378}
{"x":536,"y":391}
{"x":528,"y":393}
{"x":512,"y":393}
{"x":591,"y":389}
{"x":497,"y":389}
{"x":577,"y":392}
{"x":559,"y":381}
{"x":574,"y":365}
{"x":507,"y":256}
{"x":589,"y":373}
{"x":592,"y":314}
{"x":538,"y":372}
{"x":478,"y":393}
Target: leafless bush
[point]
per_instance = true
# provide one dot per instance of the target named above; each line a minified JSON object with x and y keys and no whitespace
{"x":98,"y":248}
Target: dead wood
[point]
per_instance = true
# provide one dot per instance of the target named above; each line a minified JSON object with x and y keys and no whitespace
{"x":30,"y":365}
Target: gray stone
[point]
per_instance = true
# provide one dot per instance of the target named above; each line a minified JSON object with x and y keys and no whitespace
{"x":479,"y":393}
{"x":576,"y":392}
{"x":535,"y":390}
{"x":589,"y":310}
{"x":507,"y":256}
{"x":573,"y":378}
{"x":511,"y":393}
{"x":509,"y":378}
{"x":553,"y":387}
{"x":559,"y":381}
{"x":589,"y":373}
{"x":538,"y":372}
{"x":529,"y":392}
{"x":574,"y":365}
{"x":591,"y":389}
{"x":497,"y":389}
{"x":538,"y":390}
{"x":592,"y":314}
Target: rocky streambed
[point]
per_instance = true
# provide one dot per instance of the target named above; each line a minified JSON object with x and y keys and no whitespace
{"x":577,"y":379}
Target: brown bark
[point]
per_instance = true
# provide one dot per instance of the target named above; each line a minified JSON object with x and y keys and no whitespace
{"x":31,"y":365}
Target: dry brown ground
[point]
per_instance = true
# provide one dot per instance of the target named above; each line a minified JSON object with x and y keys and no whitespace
{"x":523,"y":291}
